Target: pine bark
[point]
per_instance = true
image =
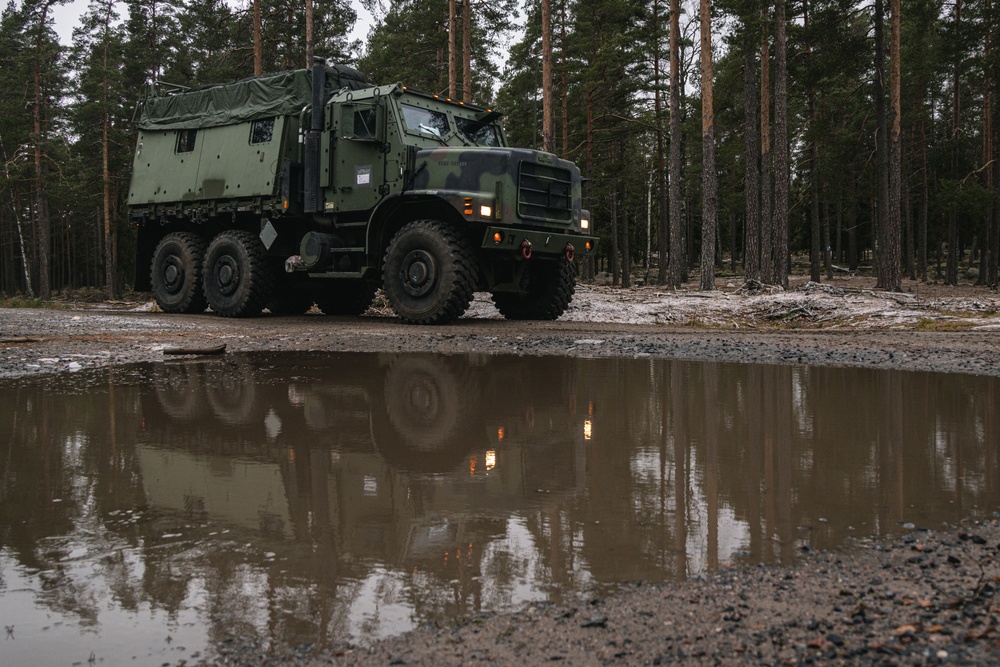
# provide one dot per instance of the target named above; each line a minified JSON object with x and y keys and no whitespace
{"x":675,"y":267}
{"x":42,"y":221}
{"x":548,"y":110}
{"x":751,"y":184}
{"x":709,"y":179}
{"x":890,"y":256}
{"x":258,"y":44}
{"x":452,"y":50}
{"x":781,"y":162}
{"x":661,"y":160}
{"x":766,"y":163}
{"x":467,"y":51}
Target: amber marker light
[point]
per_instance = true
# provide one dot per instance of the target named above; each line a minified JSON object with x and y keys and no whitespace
{"x":587,"y":246}
{"x":468,"y":205}
{"x":498,"y":237}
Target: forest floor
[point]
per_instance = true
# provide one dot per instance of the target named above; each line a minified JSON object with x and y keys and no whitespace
{"x":927,"y":596}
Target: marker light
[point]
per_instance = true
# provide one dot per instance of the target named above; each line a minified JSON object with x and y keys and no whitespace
{"x":486,"y":211}
{"x":468,"y":205}
{"x":587,"y":246}
{"x":497,"y":237}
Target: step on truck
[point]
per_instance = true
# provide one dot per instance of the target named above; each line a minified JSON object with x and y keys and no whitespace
{"x":312,"y":187}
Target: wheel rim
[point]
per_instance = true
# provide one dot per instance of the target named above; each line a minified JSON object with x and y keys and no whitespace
{"x":419,"y":272}
{"x":173,"y":274}
{"x":227,"y":275}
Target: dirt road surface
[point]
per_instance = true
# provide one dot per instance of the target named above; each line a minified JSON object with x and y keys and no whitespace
{"x":927,"y":597}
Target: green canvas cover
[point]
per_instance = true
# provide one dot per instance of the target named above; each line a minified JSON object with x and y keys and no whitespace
{"x":278,"y":94}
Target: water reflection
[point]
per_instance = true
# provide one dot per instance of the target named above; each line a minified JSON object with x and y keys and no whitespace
{"x":320,"y":498}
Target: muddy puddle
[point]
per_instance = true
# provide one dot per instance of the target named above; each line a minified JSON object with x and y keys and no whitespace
{"x":149,"y":513}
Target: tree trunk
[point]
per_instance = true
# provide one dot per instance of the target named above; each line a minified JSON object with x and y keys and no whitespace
{"x":109,"y":267}
{"x":309,"y":33}
{"x":44,"y":224}
{"x":452,"y":51}
{"x":951,"y":277}
{"x":548,"y":137}
{"x":564,"y":66}
{"x":709,"y":179}
{"x":675,"y":268}
{"x":258,"y":44}
{"x":924,"y":198}
{"x":661,"y":160}
{"x":814,"y":226}
{"x":781,"y":163}
{"x":467,"y":51}
{"x":891,"y":224}
{"x":766,"y":196}
{"x":751,"y":184}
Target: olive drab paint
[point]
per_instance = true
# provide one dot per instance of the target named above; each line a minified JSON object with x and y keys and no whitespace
{"x":386,"y":187}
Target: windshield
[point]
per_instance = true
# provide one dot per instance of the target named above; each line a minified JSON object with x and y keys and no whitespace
{"x":481,"y":134}
{"x":425,"y":120}
{"x":438,"y":125}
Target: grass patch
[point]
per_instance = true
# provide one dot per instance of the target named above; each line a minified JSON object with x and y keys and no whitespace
{"x":930,"y":324}
{"x":25,"y":302}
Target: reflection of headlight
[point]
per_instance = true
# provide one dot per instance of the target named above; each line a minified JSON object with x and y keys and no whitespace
{"x":491,"y":460}
{"x":588,"y":430}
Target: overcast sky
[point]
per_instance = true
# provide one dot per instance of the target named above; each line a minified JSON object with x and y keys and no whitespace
{"x":67,"y":17}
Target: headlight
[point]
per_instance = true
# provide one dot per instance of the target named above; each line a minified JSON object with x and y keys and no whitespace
{"x":584,"y":223}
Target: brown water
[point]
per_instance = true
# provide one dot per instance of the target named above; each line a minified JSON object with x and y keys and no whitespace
{"x":150,"y":512}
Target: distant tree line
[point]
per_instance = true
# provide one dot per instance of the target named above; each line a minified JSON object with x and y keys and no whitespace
{"x":740,"y":131}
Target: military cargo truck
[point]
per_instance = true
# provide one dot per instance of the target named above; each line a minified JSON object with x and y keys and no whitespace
{"x":314,"y":187}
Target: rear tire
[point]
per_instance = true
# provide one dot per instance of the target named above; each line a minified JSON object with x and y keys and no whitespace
{"x":550,"y":290}
{"x":176,"y":273}
{"x":430,"y":273}
{"x":238,"y":280}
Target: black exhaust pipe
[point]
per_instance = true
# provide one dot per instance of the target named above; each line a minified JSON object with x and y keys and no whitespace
{"x":312,"y":199}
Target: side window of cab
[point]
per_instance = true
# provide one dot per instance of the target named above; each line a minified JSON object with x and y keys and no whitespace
{"x":185,"y":141}
{"x":262,"y":131}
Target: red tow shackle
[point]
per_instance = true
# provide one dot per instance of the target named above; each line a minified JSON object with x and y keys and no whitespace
{"x":526,"y":249}
{"x":570,"y":252}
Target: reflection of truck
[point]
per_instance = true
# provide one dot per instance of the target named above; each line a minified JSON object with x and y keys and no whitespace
{"x":246,"y":197}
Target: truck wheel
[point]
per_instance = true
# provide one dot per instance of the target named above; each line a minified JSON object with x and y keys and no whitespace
{"x":346,"y":297}
{"x":550,"y":289}
{"x":175,"y":273}
{"x":430,"y":273}
{"x":238,"y":281}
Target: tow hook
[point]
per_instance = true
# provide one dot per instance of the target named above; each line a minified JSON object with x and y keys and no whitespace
{"x":526,"y":249}
{"x":292,"y":263}
{"x":570,"y":254}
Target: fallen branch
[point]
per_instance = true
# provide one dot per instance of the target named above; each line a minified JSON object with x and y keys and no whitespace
{"x":19,"y":339}
{"x":214,"y":349}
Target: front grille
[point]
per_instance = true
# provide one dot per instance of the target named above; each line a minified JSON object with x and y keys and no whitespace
{"x":544,"y":193}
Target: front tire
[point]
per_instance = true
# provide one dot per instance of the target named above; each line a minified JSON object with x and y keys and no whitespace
{"x":176,"y":273}
{"x":430,"y":273}
{"x":550,"y":290}
{"x":238,"y":280}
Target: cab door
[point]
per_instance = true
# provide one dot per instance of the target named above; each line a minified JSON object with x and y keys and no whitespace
{"x":358,"y":161}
